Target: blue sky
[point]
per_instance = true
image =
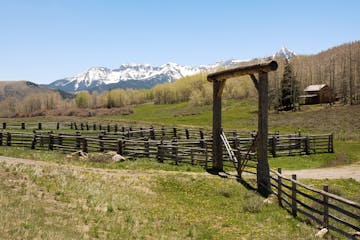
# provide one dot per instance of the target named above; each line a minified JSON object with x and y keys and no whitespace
{"x":45,"y":40}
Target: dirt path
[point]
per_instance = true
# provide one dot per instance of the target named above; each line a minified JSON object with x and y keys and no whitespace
{"x":348,"y":171}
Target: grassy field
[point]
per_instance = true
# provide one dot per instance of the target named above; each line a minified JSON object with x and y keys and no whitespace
{"x":145,"y":199}
{"x":65,"y":202}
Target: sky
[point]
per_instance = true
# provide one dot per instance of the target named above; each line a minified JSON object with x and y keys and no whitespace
{"x":45,"y":40}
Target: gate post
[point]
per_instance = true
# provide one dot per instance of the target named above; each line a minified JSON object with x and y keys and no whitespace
{"x":217,"y":160}
{"x":262,"y":168}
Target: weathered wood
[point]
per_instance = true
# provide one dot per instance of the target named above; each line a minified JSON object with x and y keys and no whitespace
{"x":293,"y":196}
{"x":262,"y":168}
{"x":23,"y":125}
{"x":245,"y":70}
{"x":40,"y":126}
{"x":4,"y":125}
{"x":326,"y":207}
{"x":279,"y":188}
{"x":57,"y":126}
{"x":1,"y":138}
{"x":8,"y":139}
{"x":216,"y":132}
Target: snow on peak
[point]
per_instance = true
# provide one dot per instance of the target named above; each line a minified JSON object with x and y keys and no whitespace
{"x":284,"y":53}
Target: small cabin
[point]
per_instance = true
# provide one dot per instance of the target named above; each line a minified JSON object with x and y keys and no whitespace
{"x":315,"y":94}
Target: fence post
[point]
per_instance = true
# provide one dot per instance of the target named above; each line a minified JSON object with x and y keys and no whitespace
{"x":82,"y":126}
{"x":8,"y":139}
{"x":87,"y":127}
{"x":33,"y":141}
{"x":100,"y":127}
{"x":147,"y":147}
{"x":331,"y":143}
{"x":60,"y":139}
{"x":175,"y":132}
{"x":192,"y":156}
{"x":273,"y":146}
{"x":1,"y":138}
{"x":206,"y":155}
{"x":4,"y":125}
{"x":23,"y":125}
{"x":40,"y":126}
{"x":75,"y":126}
{"x":236,"y":140}
{"x":51,"y":142}
{"x":120,"y":147}
{"x":201,"y":134}
{"x":162,"y":133}
{"x":160,"y":156}
{"x":326,"y":207}
{"x":293,"y":196}
{"x":78,"y":140}
{"x":307,"y":145}
{"x":108,"y":127}
{"x":57,"y":126}
{"x":152,"y":133}
{"x":175,"y":151}
{"x":101,"y":143}
{"x":141,"y":132}
{"x":94,"y":127}
{"x":187,"y":133}
{"x":71,"y":125}
{"x":279,"y":189}
{"x":116,"y":128}
{"x":85,"y":145}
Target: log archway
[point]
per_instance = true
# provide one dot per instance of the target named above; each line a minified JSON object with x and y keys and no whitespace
{"x":261,"y":84}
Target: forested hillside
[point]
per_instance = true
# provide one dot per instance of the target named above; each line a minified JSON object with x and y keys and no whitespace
{"x":339,"y":67}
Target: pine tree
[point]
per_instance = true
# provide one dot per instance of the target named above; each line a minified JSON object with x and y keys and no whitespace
{"x":289,"y":88}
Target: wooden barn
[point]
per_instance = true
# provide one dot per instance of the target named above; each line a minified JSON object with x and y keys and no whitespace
{"x":315,"y":94}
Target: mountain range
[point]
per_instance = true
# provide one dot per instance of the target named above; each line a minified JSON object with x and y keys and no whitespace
{"x":139,"y":76}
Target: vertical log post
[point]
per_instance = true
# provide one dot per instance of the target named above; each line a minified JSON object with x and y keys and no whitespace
{"x":120,"y":147}
{"x":147,"y":147}
{"x":57,"y":126}
{"x":279,"y":188}
{"x":116,"y":128}
{"x":331,"y":143}
{"x":8,"y":139}
{"x":273,"y":146}
{"x":174,"y":132}
{"x":216,"y":131}
{"x":4,"y":125}
{"x":326,"y":207}
{"x":262,"y":168}
{"x":293,"y":196}
{"x":94,"y":126}
{"x":307,"y":145}
{"x":1,"y":138}
{"x":78,"y":140}
{"x":101,"y":143}
{"x":40,"y":126}
{"x":152,"y":133}
{"x":87,"y":126}
{"x":85,"y":145}
{"x":23,"y":125}
{"x":187,"y":133}
{"x":71,"y":125}
{"x":160,"y":151}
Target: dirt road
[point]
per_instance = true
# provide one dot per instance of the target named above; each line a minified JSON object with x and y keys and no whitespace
{"x":348,"y":171}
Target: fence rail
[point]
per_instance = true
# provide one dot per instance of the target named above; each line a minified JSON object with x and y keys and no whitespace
{"x":320,"y":206}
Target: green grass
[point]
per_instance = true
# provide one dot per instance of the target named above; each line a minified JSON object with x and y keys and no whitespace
{"x":59,"y":157}
{"x":60,"y":202}
{"x":345,"y":153}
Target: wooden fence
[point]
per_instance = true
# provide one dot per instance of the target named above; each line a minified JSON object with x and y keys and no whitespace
{"x":320,"y":206}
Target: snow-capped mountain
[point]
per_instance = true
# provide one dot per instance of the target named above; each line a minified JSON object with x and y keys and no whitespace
{"x":140,"y":75}
{"x":284,"y":53}
{"x":126,"y":76}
